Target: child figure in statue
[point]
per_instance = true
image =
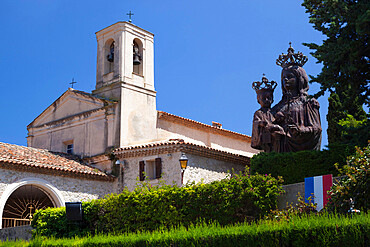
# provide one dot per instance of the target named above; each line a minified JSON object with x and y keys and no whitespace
{"x":263,"y":118}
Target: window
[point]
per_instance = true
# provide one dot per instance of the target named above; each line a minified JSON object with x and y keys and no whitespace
{"x":70,"y":148}
{"x":138,"y":57}
{"x":150,"y":169}
{"x":109,"y":59}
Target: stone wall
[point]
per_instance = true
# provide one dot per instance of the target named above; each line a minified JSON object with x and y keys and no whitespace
{"x":16,"y":233}
{"x":60,"y":189}
{"x":291,"y":193}
{"x":200,"y":169}
{"x":206,"y":170}
{"x":170,"y":172}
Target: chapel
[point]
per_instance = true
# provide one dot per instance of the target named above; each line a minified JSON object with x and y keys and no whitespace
{"x":89,"y":144}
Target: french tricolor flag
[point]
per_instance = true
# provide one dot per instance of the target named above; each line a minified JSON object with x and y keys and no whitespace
{"x":319,"y":187}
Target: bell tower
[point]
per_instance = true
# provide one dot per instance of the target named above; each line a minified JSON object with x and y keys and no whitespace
{"x":125,"y":72}
{"x":126,"y":54}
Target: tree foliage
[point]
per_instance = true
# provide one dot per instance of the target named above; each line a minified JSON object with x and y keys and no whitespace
{"x":354,"y":132}
{"x":343,"y":128}
{"x":345,"y":58}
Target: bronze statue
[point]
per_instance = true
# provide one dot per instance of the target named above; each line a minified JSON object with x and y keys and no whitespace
{"x":296,"y":113}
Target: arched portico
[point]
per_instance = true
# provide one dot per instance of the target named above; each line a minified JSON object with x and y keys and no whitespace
{"x":28,"y":192}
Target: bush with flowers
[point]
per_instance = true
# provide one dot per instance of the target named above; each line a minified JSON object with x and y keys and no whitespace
{"x":299,"y":209}
{"x":241,"y":197}
{"x":355,"y":185}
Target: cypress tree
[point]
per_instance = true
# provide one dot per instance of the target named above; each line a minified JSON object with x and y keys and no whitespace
{"x":345,"y":58}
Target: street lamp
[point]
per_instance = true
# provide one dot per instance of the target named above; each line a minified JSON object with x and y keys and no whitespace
{"x":183,"y":163}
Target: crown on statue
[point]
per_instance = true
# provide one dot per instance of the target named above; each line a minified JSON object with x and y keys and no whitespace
{"x":291,"y":58}
{"x":265,"y":84}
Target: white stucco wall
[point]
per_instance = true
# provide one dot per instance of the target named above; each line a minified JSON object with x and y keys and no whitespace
{"x":137,"y":117}
{"x":169,"y":130}
{"x":91,"y":133}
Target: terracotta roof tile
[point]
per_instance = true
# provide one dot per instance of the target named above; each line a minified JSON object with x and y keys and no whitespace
{"x":180,"y":145}
{"x":20,"y":157}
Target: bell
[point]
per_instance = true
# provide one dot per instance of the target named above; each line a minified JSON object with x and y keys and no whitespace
{"x":137,"y":59}
{"x":110,"y":57}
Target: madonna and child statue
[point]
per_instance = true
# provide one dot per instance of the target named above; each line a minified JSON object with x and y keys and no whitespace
{"x":293,"y":124}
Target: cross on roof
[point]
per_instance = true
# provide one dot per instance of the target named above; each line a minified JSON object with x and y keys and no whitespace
{"x":73,"y":82}
{"x":130,"y":14}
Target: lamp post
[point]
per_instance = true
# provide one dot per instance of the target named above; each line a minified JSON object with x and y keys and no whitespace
{"x":352,"y":207}
{"x":183,"y":163}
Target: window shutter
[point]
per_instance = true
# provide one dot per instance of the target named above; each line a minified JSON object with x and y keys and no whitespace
{"x":158,"y":167}
{"x":141,"y":170}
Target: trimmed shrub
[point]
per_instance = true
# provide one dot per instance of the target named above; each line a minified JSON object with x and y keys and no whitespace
{"x":242,"y":197}
{"x":313,"y":230}
{"x":53,"y":221}
{"x":355,"y":185}
{"x":296,"y":166}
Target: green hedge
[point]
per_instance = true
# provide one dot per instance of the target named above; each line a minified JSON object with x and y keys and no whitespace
{"x":294,"y":167}
{"x":319,"y":230}
{"x":53,"y":221}
{"x":240,"y":198}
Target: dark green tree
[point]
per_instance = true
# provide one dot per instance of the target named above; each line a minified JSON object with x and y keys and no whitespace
{"x":335,"y":114}
{"x":345,"y":58}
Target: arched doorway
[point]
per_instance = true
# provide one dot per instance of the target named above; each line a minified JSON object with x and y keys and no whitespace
{"x":20,"y":200}
{"x":21,"y":205}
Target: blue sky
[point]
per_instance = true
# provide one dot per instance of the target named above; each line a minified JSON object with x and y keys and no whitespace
{"x":207,"y":54}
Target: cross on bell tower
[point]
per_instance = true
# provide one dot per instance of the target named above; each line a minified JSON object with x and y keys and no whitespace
{"x":130,"y":14}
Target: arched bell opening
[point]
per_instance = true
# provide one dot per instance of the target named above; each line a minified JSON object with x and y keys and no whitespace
{"x":22,"y":203}
{"x":138,"y":57}
{"x":109,"y":57}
